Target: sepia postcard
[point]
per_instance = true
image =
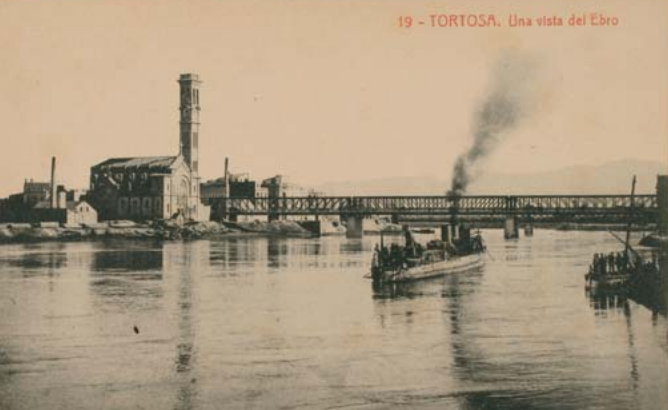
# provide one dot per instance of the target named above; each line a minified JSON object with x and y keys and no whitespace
{"x":320,"y":204}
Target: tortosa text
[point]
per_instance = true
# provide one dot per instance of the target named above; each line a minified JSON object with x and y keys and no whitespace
{"x":463,"y":20}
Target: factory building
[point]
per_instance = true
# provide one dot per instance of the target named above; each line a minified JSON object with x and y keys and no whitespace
{"x":48,"y":202}
{"x":160,"y":187}
{"x":216,"y":192}
{"x":34,"y":192}
{"x":62,"y":206}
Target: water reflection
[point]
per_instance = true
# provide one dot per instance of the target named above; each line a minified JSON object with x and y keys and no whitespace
{"x":187,"y":262}
{"x":277,"y":249}
{"x":268,"y":255}
{"x":32,"y":259}
{"x":443,"y":286}
{"x":612,"y":305}
{"x":125,"y":259}
{"x":352,"y":246}
{"x":126,"y":275}
{"x":653,"y":292}
{"x":604,"y":301}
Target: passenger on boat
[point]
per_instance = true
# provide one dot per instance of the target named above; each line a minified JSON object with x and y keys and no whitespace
{"x":611,"y":262}
{"x":396,"y":257}
{"x":619,"y":262}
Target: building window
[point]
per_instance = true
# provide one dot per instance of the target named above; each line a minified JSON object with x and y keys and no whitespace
{"x":146,"y":206}
{"x":135,"y":209}
{"x":195,"y":140}
{"x":122,"y":206}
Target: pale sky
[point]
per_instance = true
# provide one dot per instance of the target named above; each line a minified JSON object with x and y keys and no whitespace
{"x":321,"y":90}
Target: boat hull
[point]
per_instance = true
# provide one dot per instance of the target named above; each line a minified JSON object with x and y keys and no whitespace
{"x":447,"y":267}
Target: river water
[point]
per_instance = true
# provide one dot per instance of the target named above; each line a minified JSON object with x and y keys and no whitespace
{"x":255,"y":323}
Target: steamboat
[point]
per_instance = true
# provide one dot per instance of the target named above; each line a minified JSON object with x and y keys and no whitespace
{"x":414,"y":261}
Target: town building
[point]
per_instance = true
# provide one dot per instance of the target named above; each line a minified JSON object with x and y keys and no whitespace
{"x":216,"y":191}
{"x":66,"y":212}
{"x":240,"y":186}
{"x":13,"y":209}
{"x":160,"y":187}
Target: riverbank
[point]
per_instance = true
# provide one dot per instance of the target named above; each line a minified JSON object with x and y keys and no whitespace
{"x":20,"y":232}
{"x":165,"y":230}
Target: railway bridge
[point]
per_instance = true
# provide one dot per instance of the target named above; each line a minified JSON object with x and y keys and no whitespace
{"x":642,"y":209}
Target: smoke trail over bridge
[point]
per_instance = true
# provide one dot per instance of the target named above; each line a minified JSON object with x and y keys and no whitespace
{"x":509,"y":100}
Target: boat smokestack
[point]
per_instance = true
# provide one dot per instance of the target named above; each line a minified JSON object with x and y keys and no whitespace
{"x":54,"y":188}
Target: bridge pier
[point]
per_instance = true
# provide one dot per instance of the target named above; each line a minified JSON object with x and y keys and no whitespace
{"x":528,"y":229}
{"x":446,"y":236}
{"x":454,"y":231}
{"x":354,"y":226}
{"x":510,"y":228}
{"x":662,"y":202}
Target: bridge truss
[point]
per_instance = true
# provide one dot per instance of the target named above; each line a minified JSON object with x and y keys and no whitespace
{"x":598,"y":208}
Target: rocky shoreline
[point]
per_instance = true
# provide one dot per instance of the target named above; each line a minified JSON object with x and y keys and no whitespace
{"x":21,"y":233}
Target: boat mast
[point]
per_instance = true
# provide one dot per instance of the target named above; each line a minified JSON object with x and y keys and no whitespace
{"x":630,"y":220}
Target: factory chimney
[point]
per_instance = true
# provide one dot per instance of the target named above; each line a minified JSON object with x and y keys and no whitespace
{"x":54,"y":188}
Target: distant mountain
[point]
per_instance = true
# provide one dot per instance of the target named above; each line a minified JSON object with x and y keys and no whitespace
{"x":610,"y":178}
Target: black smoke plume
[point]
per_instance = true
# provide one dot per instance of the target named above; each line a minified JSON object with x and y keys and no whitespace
{"x":508,"y":101}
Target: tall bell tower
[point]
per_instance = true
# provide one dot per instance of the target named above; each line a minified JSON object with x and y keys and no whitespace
{"x":189,"y":147}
